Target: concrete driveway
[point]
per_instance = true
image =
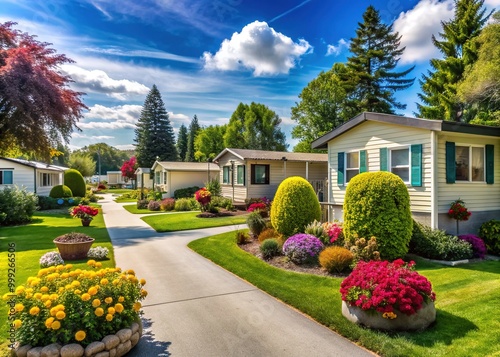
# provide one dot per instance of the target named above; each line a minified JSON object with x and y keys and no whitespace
{"x":196,"y":308}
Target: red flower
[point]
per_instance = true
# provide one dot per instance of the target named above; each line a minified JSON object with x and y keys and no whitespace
{"x":83,"y":212}
{"x":458,"y":211}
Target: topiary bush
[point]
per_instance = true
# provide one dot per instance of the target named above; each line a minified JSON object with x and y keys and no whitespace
{"x":256,"y":223}
{"x":378,"y":204}
{"x":335,"y":259}
{"x":74,"y":180}
{"x":295,"y":205}
{"x":490,"y":233}
{"x":270,"y":248}
{"x":60,"y":191}
{"x":301,"y":248}
{"x":16,"y":206}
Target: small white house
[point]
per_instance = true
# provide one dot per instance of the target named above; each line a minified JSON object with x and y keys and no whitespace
{"x":116,"y":179}
{"x":36,"y":177}
{"x":143,"y":177}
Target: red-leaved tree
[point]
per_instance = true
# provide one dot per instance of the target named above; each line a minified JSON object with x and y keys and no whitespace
{"x":37,"y":108}
{"x":128,"y":168}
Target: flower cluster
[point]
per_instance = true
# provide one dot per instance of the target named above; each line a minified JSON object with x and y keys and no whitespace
{"x":98,"y":253}
{"x":83,"y":212}
{"x":334,"y":230}
{"x":387,"y":288}
{"x":203,"y":196}
{"x":65,"y":305}
{"x":478,"y":246}
{"x":458,"y":211}
{"x":302,"y":247}
{"x":257,"y":206}
{"x":51,"y":259}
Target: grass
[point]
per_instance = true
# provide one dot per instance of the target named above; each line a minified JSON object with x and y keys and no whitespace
{"x":467,"y":302}
{"x":133,"y":209}
{"x":188,"y":220}
{"x":34,"y":240}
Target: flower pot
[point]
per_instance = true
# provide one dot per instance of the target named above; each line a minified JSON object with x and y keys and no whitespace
{"x":373,"y":319}
{"x":86,"y":222}
{"x":73,"y":250}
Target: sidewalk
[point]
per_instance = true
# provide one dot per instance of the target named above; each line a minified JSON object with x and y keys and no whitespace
{"x":196,"y":308}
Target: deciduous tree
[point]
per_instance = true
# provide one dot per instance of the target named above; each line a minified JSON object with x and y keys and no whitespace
{"x":209,"y":142}
{"x":83,"y":163}
{"x":128,"y":168}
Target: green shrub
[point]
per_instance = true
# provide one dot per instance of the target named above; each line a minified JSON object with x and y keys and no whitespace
{"x":214,"y":187}
{"x":242,"y":238}
{"x":74,"y":180}
{"x":142,"y":204}
{"x":335,"y":259}
{"x":295,"y":205}
{"x":46,"y":202}
{"x":270,"y":248}
{"x":187,"y":192}
{"x":182,"y":204}
{"x":90,"y":197}
{"x":436,"y":244}
{"x":256,"y":223}
{"x":16,"y":206}
{"x":222,"y":202}
{"x":490,"y":233}
{"x":316,"y":229}
{"x":378,"y":204}
{"x":60,"y":191}
{"x":365,"y":250}
{"x":135,"y":194}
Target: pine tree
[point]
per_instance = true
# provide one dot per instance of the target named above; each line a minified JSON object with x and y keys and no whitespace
{"x":154,"y":134}
{"x":458,"y":46}
{"x":371,"y":79}
{"x":182,"y":142}
{"x":193,"y":131}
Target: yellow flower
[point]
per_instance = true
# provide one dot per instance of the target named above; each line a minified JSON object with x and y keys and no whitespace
{"x":80,"y":335}
{"x":108,"y":300}
{"x":96,"y":302}
{"x":144,"y":293}
{"x":60,"y":307}
{"x":104,"y":281}
{"x":54,"y":297}
{"x":53,"y":311}
{"x":51,"y":269}
{"x":143,"y":281}
{"x":91,"y":262}
{"x":99,"y":312}
{"x":111,"y":310}
{"x":75,"y":283}
{"x":44,"y":289}
{"x":60,"y":315}
{"x":109,"y":317}
{"x":64,"y":275}
{"x":45,"y":297}
{"x":85,"y":297}
{"x":60,"y":290}
{"x":131,"y":272}
{"x":389,"y":315}
{"x":56,"y":325}
{"x":17,"y":323}
{"x":137,"y":306}
{"x":48,"y":303}
{"x":19,"y":307}
{"x":92,"y":291}
{"x":34,"y":310}
{"x":98,"y":264}
{"x":119,"y":308}
{"x":37,"y":296}
{"x":121,"y":299}
{"x":77,"y":291}
{"x":69,"y":266}
{"x":116,"y":282}
{"x":49,"y":322}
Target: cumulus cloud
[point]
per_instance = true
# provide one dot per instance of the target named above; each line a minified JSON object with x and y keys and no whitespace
{"x":416,"y":26}
{"x":123,"y":113}
{"x":333,"y":50}
{"x":260,"y":48}
{"x":99,"y":81}
{"x":106,"y":125}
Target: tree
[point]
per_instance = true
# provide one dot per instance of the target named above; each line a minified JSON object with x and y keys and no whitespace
{"x":371,"y":80}
{"x":128,"y":168}
{"x":62,"y":155}
{"x":154,"y":134}
{"x":194,"y":129}
{"x":255,"y":126}
{"x":37,"y":108}
{"x":322,"y":107}
{"x":209,"y":142}
{"x":182,"y":142}
{"x":109,"y":158}
{"x":439,"y":86}
{"x":83,"y":163}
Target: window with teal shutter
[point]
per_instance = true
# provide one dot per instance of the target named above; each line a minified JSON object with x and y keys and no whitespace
{"x":340,"y":169}
{"x":450,"y":162}
{"x":363,"y":165}
{"x":490,"y":166}
{"x":383,"y":159}
{"x":416,"y":165}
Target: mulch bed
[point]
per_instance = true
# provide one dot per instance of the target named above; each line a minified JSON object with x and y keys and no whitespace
{"x":73,"y":237}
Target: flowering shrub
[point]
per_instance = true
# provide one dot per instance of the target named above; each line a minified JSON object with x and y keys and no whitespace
{"x":302,"y":247}
{"x":65,"y":305}
{"x":387,"y":288}
{"x":333,"y":230}
{"x":154,"y":205}
{"x":490,"y":233}
{"x":167,"y":204}
{"x":98,"y":253}
{"x":478,"y":246}
{"x":83,"y":212}
{"x":50,"y":259}
{"x":258,"y":206}
{"x":365,"y":250}
{"x":458,"y":211}
{"x":203,"y":196}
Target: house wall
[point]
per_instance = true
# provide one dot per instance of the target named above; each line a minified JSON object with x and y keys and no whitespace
{"x":57,"y":178}
{"x":240,"y":191}
{"x":148,"y":182}
{"x":182,"y":179}
{"x":115,"y":177}
{"x":22,"y":175}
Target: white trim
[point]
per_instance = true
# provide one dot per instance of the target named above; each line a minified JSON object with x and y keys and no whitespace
{"x":352,"y":169}
{"x":402,"y":147}
{"x":434,"y":180}
{"x":470,"y":146}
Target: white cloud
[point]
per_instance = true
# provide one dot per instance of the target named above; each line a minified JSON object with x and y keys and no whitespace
{"x":125,"y":147}
{"x":142,"y":53}
{"x":260,"y":48}
{"x":492,"y":3}
{"x":416,"y":26}
{"x":336,"y":50}
{"x":105,"y":125}
{"x":99,"y":81}
{"x":122,"y":113}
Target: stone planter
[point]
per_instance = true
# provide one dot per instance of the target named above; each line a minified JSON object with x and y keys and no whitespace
{"x":73,"y":250}
{"x":116,"y":345}
{"x":373,"y":319}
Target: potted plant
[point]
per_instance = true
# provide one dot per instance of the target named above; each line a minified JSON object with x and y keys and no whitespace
{"x":459,"y":212}
{"x":84,"y":212}
{"x":73,"y":246}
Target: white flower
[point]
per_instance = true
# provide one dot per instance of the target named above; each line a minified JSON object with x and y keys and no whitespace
{"x":50,"y":259}
{"x":98,"y":253}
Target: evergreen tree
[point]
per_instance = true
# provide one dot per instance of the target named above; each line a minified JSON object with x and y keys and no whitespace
{"x":371,"y":80}
{"x":154,"y":134}
{"x":182,"y":142}
{"x":194,"y":129}
{"x":439,"y":87}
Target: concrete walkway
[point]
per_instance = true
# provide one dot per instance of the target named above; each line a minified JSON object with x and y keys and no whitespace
{"x":196,"y":308}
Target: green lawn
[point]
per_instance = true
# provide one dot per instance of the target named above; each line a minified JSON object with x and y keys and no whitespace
{"x":467,"y":302}
{"x":188,"y":220}
{"x":118,"y":199}
{"x":33,"y":240}
{"x":133,"y":209}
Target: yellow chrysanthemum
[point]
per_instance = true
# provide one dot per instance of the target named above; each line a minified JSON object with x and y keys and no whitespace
{"x":121,"y":299}
{"x":137,"y":306}
{"x":85,"y":297}
{"x":45,"y":297}
{"x":69,"y":266}
{"x":116,"y":282}
{"x":99,"y":312}
{"x":19,"y":307}
{"x":92,"y":291}
{"x":131,"y":271}
{"x":60,"y":290}
{"x":17,"y":323}
{"x":91,"y":262}
{"x":51,"y":269}
{"x":143,"y":281}
{"x":60,"y":307}
{"x":35,"y":282}
{"x":75,"y":283}
{"x":98,"y":264}
{"x":111,"y":310}
{"x":6,"y":296}
{"x":108,"y":300}
{"x":41,"y":273}
{"x":119,"y":308}
{"x":56,"y":325}
{"x":104,"y":281}
{"x":37,"y":296}
{"x":49,"y":322}
{"x":64,"y":275}
{"x":60,"y":315}
{"x":34,"y":310}
{"x":53,"y":311}
{"x":96,"y":302}
{"x":80,"y":335}
{"x":48,"y":303}
{"x":144,"y":293}
{"x":77,"y":291}
{"x":109,"y":317}
{"x":44,"y":289}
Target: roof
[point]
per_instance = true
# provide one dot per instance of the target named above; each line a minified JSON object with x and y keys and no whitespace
{"x":245,"y":154}
{"x":186,"y":166}
{"x":144,"y":170}
{"x":429,"y":124}
{"x":36,"y":164}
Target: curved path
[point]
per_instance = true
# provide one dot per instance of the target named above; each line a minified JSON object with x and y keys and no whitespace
{"x":196,"y":308}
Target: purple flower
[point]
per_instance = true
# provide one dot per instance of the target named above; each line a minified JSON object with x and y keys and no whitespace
{"x":478,"y":246}
{"x":301,"y":247}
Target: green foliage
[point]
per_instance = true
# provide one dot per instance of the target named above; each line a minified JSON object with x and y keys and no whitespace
{"x":256,"y":223}
{"x":109,"y":158}
{"x":270,"y":248}
{"x":219,"y":201}
{"x":335,"y":259}
{"x":490,"y":233}
{"x":16,"y":206}
{"x":46,"y":202}
{"x":242,"y":237}
{"x":182,"y":204}
{"x":209,"y":142}
{"x":214,"y":187}
{"x":194,"y":129}
{"x":316,"y":229}
{"x":295,"y":205}
{"x":378,"y":204}
{"x":436,"y":244}
{"x":83,"y":163}
{"x":74,"y":180}
{"x":142,"y":204}
{"x":186,"y":192}
{"x":60,"y":191}
{"x":182,"y":142}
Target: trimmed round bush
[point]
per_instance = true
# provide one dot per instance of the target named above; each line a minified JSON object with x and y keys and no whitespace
{"x":378,"y":204}
{"x":256,"y":223}
{"x":295,"y":205}
{"x":335,"y":259}
{"x":17,"y":206}
{"x":490,"y":233}
{"x":60,"y":191}
{"x":74,"y":180}
{"x":302,"y":247}
{"x":270,"y":248}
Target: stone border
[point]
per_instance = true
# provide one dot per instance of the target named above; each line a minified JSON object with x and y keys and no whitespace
{"x":116,"y":345}
{"x":453,"y":263}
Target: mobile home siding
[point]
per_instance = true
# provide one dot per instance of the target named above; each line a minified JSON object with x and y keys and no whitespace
{"x":240,"y":191}
{"x":22,"y":175}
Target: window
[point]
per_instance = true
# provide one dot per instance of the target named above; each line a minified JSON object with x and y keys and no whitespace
{"x":240,"y":174}
{"x":400,"y":163}
{"x":469,"y":163}
{"x":349,"y":165}
{"x":352,"y":165}
{"x":226,"y":175}
{"x":6,"y":177}
{"x":406,"y":162}
{"x":158,"y":177}
{"x":260,"y":174}
{"x":45,"y":179}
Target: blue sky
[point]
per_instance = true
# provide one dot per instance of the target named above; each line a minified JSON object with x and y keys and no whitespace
{"x":207,"y":56}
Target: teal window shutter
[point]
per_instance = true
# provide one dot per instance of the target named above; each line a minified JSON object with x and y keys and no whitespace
{"x":340,"y":169}
{"x":490,"y":174}
{"x":362,"y":161}
{"x":416,"y":165}
{"x":451,"y":171}
{"x":383,"y":159}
